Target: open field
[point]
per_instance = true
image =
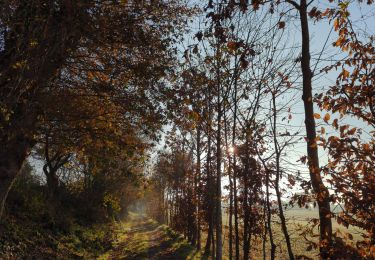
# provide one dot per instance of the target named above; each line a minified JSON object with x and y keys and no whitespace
{"x":297,"y":220}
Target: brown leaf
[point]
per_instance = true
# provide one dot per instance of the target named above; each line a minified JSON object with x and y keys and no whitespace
{"x":316,"y":116}
{"x":326,"y":118}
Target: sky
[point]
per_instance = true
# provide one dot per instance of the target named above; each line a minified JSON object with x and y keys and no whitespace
{"x":323,"y":53}
{"x":321,"y":42}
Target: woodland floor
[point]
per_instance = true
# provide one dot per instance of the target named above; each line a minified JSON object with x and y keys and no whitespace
{"x":142,"y":238}
{"x":135,"y":237}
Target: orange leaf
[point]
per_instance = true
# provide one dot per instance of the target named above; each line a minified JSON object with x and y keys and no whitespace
{"x":345,"y":74}
{"x":316,"y":115}
{"x":336,"y":24}
{"x":326,"y":118}
{"x":232,"y":45}
{"x":366,"y":147}
{"x":352,"y":131}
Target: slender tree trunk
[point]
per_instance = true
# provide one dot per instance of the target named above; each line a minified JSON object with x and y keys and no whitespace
{"x":219,"y":253}
{"x":230,"y":217}
{"x":282,"y":218}
{"x":277,"y":181}
{"x":269,"y":215}
{"x":197,"y":187}
{"x":246,"y":214}
{"x":166,"y":207}
{"x":208,"y":240}
{"x":265,"y":232}
{"x":319,"y":188}
{"x":210,"y":184}
{"x":213,"y":237}
{"x":235,"y":206}
{"x":247,"y":201}
{"x":210,"y":194}
{"x":229,"y":168}
{"x":235,"y":201}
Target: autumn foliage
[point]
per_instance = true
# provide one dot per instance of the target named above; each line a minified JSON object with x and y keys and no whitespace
{"x":216,"y":118}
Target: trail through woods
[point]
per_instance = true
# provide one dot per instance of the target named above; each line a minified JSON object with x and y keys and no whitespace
{"x":140,"y":237}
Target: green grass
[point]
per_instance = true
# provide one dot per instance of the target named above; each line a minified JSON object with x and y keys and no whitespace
{"x":139,"y":237}
{"x":28,"y":239}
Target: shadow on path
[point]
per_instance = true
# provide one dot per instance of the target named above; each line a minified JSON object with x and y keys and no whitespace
{"x":142,"y":238}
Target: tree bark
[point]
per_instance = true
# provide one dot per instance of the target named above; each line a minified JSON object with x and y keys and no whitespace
{"x":197,"y":187}
{"x":235,"y":201}
{"x":229,"y":170}
{"x":230,"y":215}
{"x":269,"y":215}
{"x":320,"y":190}
{"x":277,"y":181}
{"x":52,"y":182}
{"x":19,"y":90}
{"x":12,"y":157}
{"x":219,"y":253}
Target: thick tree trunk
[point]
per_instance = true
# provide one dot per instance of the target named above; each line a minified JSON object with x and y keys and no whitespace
{"x":320,"y":190}
{"x":18,"y":88}
{"x":12,"y":156}
{"x":6,"y":182}
{"x":52,"y":181}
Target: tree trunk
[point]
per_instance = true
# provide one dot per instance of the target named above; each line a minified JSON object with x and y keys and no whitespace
{"x":277,"y":188}
{"x":246,"y":215}
{"x":246,"y":201}
{"x":18,"y":89}
{"x":197,"y":187}
{"x":12,"y":157}
{"x":265,"y":232}
{"x":210,"y":197}
{"x":219,"y":252}
{"x":320,"y":190}
{"x":52,"y":183}
{"x":6,"y":183}
{"x":230,"y":217}
{"x":235,"y":204}
{"x":269,"y":215}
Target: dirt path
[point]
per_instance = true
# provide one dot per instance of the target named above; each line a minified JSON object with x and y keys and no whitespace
{"x":142,"y":238}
